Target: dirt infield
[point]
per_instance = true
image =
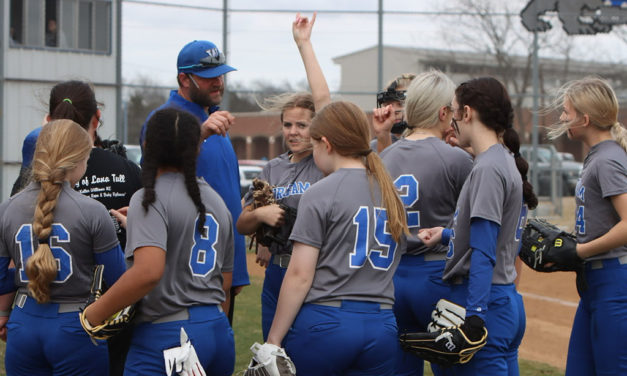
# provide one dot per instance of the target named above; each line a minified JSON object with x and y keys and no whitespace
{"x":550,"y":303}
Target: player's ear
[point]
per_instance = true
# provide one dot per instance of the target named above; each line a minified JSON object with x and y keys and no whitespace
{"x":586,"y":120}
{"x":444,"y":110}
{"x":467,"y":113}
{"x":327,"y":144}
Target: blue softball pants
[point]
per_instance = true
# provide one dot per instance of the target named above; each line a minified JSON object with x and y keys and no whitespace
{"x":209,"y":331}
{"x":357,"y":338}
{"x":270,"y":295}
{"x":505,"y":322}
{"x":598,"y":341}
{"x":418,"y":286}
{"x":43,"y":342}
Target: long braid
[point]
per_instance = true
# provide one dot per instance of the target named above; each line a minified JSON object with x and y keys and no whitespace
{"x":186,"y":138}
{"x":619,"y":133}
{"x":149,"y":177}
{"x":61,"y":146}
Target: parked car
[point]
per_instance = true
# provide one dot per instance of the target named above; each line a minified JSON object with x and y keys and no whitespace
{"x":568,"y":170}
{"x":248,"y":170}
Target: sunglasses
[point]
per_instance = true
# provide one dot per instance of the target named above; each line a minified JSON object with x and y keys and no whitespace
{"x":212,"y":60}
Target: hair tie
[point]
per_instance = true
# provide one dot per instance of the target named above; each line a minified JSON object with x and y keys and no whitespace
{"x":67,"y":100}
{"x":43,"y":241}
{"x":365,"y":153}
{"x":517,"y":155}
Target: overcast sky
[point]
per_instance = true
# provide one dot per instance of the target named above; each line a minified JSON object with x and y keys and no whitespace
{"x":261,"y":47}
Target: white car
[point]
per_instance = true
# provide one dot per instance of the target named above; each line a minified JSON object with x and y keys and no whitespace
{"x":246,"y":175}
{"x":133,"y":153}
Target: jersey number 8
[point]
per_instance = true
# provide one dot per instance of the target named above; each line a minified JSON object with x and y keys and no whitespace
{"x":202,"y":259}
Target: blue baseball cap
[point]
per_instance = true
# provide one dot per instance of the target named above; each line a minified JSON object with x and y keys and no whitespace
{"x":203,"y":59}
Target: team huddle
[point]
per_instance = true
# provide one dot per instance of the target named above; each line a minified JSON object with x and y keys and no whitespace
{"x":364,"y":236}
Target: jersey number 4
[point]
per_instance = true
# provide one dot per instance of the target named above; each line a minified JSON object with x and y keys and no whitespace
{"x":380,"y":259}
{"x":59,"y":235}
{"x":202,"y":259}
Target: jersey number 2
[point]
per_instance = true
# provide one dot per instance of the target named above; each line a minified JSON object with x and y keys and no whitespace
{"x":202,"y":259}
{"x":362,"y":250}
{"x":24,"y":239}
{"x":408,"y":187}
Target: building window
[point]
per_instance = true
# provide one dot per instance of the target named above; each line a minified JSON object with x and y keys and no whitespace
{"x":79,"y":25}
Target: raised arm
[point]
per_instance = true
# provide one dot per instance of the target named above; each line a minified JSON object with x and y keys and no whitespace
{"x":301,"y":29}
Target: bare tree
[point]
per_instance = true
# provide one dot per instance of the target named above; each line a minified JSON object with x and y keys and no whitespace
{"x":494,"y":28}
{"x":145,"y":96}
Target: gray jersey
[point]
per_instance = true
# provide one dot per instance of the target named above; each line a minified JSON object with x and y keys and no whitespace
{"x":341,"y":217}
{"x":429,"y":174}
{"x":81,"y":227}
{"x":492,"y":191}
{"x":194,"y":263}
{"x":291,"y":180}
{"x":604,"y":175}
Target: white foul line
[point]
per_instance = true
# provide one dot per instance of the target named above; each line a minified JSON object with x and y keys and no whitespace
{"x":549,"y":299}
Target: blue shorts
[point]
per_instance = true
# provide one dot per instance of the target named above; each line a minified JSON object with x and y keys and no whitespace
{"x":270,"y":295}
{"x":209,"y":331}
{"x":600,"y":324}
{"x":42,"y":341}
{"x":505,"y":322}
{"x":418,"y":286}
{"x":357,"y":338}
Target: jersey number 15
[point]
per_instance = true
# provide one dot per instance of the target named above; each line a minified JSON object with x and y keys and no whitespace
{"x":362,"y":250}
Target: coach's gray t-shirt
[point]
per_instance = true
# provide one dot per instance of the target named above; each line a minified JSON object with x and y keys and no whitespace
{"x":492,"y":191}
{"x":81,"y":227}
{"x":604,"y":175}
{"x":291,"y":180}
{"x":429,"y":174}
{"x":342,"y":217}
{"x":194,"y":263}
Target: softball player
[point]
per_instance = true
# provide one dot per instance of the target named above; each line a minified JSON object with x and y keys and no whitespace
{"x":590,"y":115}
{"x":391,"y":101}
{"x":291,"y":173}
{"x":55,"y":236}
{"x":429,"y":191}
{"x":180,"y":243}
{"x":484,"y":240}
{"x":348,"y":238}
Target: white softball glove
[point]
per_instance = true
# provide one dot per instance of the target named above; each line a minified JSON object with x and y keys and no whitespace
{"x":269,"y":360}
{"x":183,"y":360}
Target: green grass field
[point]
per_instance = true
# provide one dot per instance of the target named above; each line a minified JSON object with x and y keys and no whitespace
{"x":247,"y":323}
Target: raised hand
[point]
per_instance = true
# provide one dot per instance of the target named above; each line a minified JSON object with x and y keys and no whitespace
{"x":301,"y":28}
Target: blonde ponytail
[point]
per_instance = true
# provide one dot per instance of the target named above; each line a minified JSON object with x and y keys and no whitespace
{"x":61,"y":146}
{"x":619,"y":133}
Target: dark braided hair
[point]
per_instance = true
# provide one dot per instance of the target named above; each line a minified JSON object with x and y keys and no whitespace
{"x":489,"y":98}
{"x":172,"y":141}
{"x":73,"y":100}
